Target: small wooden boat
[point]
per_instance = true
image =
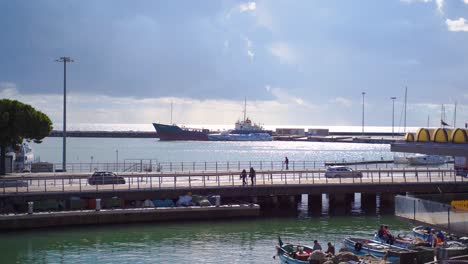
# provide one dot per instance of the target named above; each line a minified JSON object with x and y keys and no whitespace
{"x":421,"y":232}
{"x":404,"y":241}
{"x":363,"y":246}
{"x":293,"y":254}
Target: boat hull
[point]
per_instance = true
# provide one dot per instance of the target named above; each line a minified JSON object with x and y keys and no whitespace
{"x":372,"y":247}
{"x":285,"y":251}
{"x":173,"y":132}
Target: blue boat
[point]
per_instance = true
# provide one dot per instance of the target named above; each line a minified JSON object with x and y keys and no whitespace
{"x":363,"y":246}
{"x":404,"y":242}
{"x":421,"y":232}
{"x":293,"y":254}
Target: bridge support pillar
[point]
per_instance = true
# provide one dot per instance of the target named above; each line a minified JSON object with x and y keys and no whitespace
{"x":369,"y":202}
{"x":314,"y":203}
{"x":387,"y":202}
{"x":288,"y":202}
{"x":340,"y":203}
{"x":274,"y":201}
{"x":255,"y":199}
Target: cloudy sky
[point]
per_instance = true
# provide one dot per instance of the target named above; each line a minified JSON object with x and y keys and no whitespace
{"x":296,"y":62}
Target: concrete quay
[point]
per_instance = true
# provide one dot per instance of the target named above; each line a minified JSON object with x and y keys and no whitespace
{"x":120,"y":216}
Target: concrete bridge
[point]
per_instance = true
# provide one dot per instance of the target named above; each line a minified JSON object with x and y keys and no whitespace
{"x":272,"y":188}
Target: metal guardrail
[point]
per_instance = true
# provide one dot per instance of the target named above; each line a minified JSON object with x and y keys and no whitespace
{"x":61,"y":183}
{"x":151,"y":165}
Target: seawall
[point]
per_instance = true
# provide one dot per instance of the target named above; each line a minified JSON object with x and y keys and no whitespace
{"x":121,"y":216}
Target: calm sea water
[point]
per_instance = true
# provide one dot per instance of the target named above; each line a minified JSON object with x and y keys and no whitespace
{"x":85,"y":150}
{"x":229,"y":241}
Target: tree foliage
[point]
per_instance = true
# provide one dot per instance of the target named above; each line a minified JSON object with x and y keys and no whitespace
{"x":18,"y":122}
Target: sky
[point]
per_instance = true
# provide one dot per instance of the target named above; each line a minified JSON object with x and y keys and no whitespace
{"x":295,"y":62}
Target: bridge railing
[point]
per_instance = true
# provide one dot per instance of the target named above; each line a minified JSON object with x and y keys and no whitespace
{"x":148,"y":181}
{"x":152,"y":165}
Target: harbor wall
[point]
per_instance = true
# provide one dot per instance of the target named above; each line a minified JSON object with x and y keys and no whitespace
{"x":121,"y":216}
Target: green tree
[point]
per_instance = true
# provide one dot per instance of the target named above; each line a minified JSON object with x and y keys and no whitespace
{"x":20,"y":121}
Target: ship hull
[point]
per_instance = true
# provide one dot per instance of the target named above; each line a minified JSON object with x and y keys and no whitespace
{"x":173,"y":132}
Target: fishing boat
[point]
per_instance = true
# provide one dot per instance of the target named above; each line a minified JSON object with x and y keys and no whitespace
{"x":421,"y":232}
{"x":404,"y":241}
{"x":363,"y":246}
{"x":293,"y":254}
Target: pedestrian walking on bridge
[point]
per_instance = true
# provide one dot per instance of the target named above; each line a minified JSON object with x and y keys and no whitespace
{"x":243,"y":176}
{"x":252,"y":175}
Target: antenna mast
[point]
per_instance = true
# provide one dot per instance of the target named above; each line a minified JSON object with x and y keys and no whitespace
{"x":455,"y":116}
{"x":171,"y":113}
{"x":406,"y":102}
{"x":245,"y":108}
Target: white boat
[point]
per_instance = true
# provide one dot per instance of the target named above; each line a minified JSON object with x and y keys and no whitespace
{"x":421,"y":159}
{"x":228,"y":136}
{"x":24,"y":158}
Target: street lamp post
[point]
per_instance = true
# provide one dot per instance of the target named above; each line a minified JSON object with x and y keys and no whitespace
{"x":117,"y":159}
{"x":393,"y":115}
{"x":363,"y":93}
{"x":65,"y":60}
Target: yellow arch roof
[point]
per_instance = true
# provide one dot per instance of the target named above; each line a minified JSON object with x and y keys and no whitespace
{"x":409,"y":137}
{"x":459,"y":136}
{"x":423,"y":135}
{"x":440,"y":135}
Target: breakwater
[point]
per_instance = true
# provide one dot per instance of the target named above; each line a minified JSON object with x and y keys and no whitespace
{"x":337,"y":136}
{"x":105,"y":134}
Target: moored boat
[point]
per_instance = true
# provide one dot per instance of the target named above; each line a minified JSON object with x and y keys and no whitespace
{"x":293,"y":254}
{"x":421,"y":232}
{"x":422,"y":159}
{"x":404,"y":242}
{"x":362,"y":246}
{"x":227,"y":136}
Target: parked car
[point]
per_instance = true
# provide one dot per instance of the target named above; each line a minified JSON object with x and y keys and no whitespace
{"x":342,"y":172}
{"x":105,"y":177}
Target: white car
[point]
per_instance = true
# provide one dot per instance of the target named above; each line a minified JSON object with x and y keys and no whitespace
{"x":342,"y":172}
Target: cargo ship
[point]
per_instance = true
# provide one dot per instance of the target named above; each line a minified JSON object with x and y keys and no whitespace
{"x":245,"y":130}
{"x":174,"y":132}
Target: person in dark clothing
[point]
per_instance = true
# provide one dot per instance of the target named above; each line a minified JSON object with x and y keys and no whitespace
{"x":243,"y":176}
{"x":330,"y":249}
{"x":286,"y":162}
{"x":252,"y":175}
{"x":381,"y":232}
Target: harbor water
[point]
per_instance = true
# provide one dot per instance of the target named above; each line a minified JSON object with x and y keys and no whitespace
{"x":229,"y":241}
{"x":85,"y":150}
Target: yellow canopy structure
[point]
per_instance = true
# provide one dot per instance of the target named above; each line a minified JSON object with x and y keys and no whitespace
{"x":423,"y":135}
{"x":459,"y":136}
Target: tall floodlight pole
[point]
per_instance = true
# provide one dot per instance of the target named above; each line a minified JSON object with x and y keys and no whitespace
{"x":65,"y":60}
{"x":393,"y":115}
{"x":363,"y":93}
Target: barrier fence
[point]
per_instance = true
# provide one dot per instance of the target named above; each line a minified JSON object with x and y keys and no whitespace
{"x":65,"y":182}
{"x":433,"y":213}
{"x":152,"y":165}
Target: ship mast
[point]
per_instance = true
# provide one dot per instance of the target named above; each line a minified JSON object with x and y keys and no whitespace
{"x":171,"y":113}
{"x":245,"y":108}
{"x":406,"y":102}
{"x":455,"y":116}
